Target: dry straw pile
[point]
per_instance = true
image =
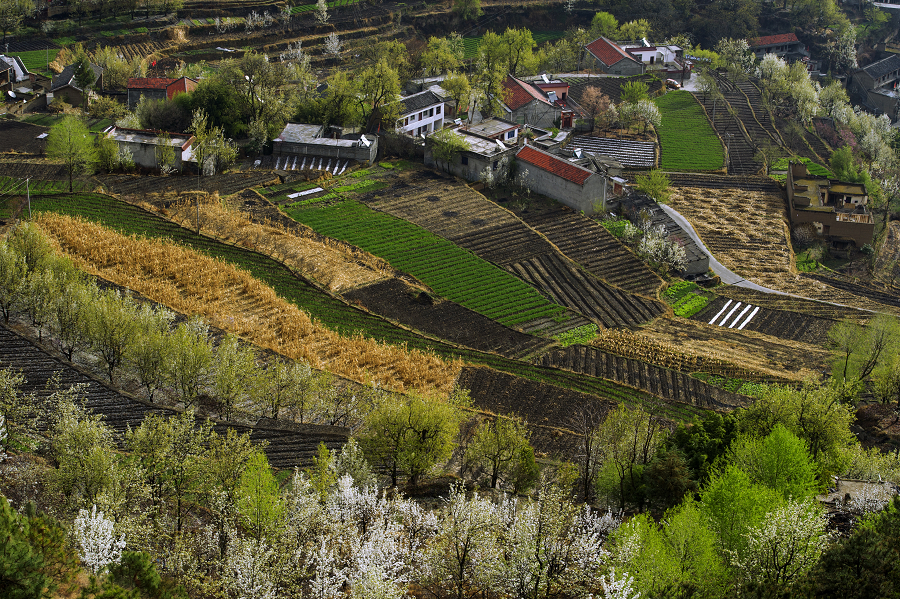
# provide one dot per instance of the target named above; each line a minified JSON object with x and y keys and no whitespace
{"x":231,"y":299}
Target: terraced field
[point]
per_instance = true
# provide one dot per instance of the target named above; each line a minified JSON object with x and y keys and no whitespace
{"x":741,"y":152}
{"x":468,"y":219}
{"x":791,"y":304}
{"x":661,"y":382}
{"x":225,"y":184}
{"x":687,"y":141}
{"x":632,"y":154}
{"x":740,"y":315}
{"x":593,"y":247}
{"x":452,"y":272}
{"x":332,"y":312}
{"x":286,"y":448}
{"x":583,"y":292}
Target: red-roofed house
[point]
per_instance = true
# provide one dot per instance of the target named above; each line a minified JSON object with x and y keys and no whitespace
{"x":557,"y":178}
{"x":780,"y":45}
{"x":158,"y":88}
{"x":526,"y":104}
{"x":612,"y":59}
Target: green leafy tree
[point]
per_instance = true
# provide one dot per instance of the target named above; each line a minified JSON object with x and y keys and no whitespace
{"x":150,"y":354}
{"x":635,"y":30}
{"x":604,"y":24}
{"x":85,"y":78}
{"x":656,"y":185}
{"x":667,"y":479}
{"x":379,"y":90}
{"x":442,"y":55}
{"x":633,"y":92}
{"x":467,"y":9}
{"x":111,"y":329}
{"x":446,"y":145}
{"x":497,"y":446}
{"x":191,"y":360}
{"x":322,"y":475}
{"x":49,"y":540}
{"x":780,"y":461}
{"x":70,"y":142}
{"x":410,"y":436}
{"x":12,"y":278}
{"x":460,"y":90}
{"x":70,"y":315}
{"x":11,"y":14}
{"x":16,"y":410}
{"x":703,"y":441}
{"x":518,"y":51}
{"x":234,"y":367}
{"x":258,"y":500}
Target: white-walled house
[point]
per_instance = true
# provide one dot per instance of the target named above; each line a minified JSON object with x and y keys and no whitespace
{"x":421,"y":114}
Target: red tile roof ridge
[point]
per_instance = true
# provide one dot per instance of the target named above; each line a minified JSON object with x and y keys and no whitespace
{"x":554,"y":164}
{"x":608,"y":51}
{"x":149,"y":82}
{"x":768,"y":40}
{"x":520,"y":93}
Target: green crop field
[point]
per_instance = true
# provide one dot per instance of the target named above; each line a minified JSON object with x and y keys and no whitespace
{"x":451,"y":271}
{"x":330,"y":311}
{"x":813,"y":168}
{"x":36,"y":60}
{"x":333,"y":4}
{"x":687,"y":140}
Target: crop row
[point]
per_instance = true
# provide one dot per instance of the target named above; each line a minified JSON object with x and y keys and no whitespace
{"x":330,"y":311}
{"x":334,"y":4}
{"x":686,"y":138}
{"x":36,"y":61}
{"x":37,"y":187}
{"x":451,"y":271}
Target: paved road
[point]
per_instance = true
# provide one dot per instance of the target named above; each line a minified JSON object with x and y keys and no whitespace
{"x":727,"y":276}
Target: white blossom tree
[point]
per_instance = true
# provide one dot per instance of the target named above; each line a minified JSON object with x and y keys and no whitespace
{"x":333,"y":45}
{"x":321,"y":12}
{"x":97,"y":542}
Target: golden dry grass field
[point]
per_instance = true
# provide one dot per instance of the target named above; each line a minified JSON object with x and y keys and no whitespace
{"x":748,"y":232}
{"x":231,"y":299}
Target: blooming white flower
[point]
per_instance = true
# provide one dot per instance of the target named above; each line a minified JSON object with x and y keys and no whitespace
{"x":96,"y":540}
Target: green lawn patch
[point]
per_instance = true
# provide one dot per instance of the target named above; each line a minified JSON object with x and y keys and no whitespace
{"x":687,"y":141}
{"x":44,"y":120}
{"x":814,"y":169}
{"x":453,"y":273}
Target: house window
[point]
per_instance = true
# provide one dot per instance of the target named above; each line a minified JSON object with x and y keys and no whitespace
{"x":495,"y":165}
{"x":465,"y":160}
{"x":437,"y":110}
{"x":510,"y":135}
{"x":652,"y":58}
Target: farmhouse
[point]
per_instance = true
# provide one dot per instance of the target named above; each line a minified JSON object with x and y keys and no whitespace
{"x":610,"y":58}
{"x":421,"y":114}
{"x":838,"y":210}
{"x":144,"y":145}
{"x":64,"y":85}
{"x":785,"y":45}
{"x":12,"y":73}
{"x":560,"y":179}
{"x":665,"y":58}
{"x":486,"y":150}
{"x":301,"y":140}
{"x":875,"y":86}
{"x":158,"y":88}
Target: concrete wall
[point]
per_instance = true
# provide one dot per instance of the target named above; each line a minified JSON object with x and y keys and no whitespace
{"x":134,"y":95}
{"x":535,"y":113}
{"x":623,"y":67}
{"x":470,"y":171}
{"x":860,"y":233}
{"x":145,"y":154}
{"x":325,"y":150}
{"x":577,"y":197}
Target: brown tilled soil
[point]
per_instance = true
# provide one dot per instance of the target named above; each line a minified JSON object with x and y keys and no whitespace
{"x":778,"y":358}
{"x":413,"y":308}
{"x":878,"y":425}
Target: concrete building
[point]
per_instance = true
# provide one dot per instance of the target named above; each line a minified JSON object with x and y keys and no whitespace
{"x":13,"y":73}
{"x":158,"y":88}
{"x":64,"y":85}
{"x":144,"y":145}
{"x":527,"y":104}
{"x":608,"y":57}
{"x":875,"y":86}
{"x":486,"y":148}
{"x":300,"y":140}
{"x":421,"y":114}
{"x":666,"y":59}
{"x":555,"y":177}
{"x":838,"y":210}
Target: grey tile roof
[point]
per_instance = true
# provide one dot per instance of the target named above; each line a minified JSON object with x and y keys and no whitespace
{"x":67,"y":77}
{"x":5,"y":66}
{"x":419,"y":101}
{"x":883,"y":67}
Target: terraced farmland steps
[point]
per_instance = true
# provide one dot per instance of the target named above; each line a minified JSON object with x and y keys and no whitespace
{"x":285,"y":449}
{"x":593,"y":247}
{"x":742,"y":153}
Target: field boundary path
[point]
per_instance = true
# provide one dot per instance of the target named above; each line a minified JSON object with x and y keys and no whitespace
{"x":286,"y":448}
{"x":664,"y":383}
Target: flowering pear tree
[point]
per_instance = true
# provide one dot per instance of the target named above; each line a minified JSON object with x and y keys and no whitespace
{"x":97,"y":542}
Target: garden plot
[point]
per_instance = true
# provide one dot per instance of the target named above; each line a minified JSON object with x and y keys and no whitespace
{"x":584,"y":293}
{"x":451,"y":271}
{"x":284,"y":448}
{"x":470,"y":220}
{"x":661,"y":382}
{"x":444,"y":319}
{"x":22,"y":138}
{"x":225,"y":184}
{"x":738,"y":315}
{"x":593,"y":247}
{"x":747,"y":232}
{"x":632,"y":154}
{"x":687,"y":141}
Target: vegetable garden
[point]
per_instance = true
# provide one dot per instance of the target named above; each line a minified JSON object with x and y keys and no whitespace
{"x":687,"y":140}
{"x":451,"y":271}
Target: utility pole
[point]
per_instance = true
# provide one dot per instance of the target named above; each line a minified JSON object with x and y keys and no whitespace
{"x":28,"y":195}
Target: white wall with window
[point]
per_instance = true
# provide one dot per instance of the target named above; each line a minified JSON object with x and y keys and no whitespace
{"x":423,"y":121}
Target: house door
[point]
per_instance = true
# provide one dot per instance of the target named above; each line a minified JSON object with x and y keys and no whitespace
{"x":566,"y":121}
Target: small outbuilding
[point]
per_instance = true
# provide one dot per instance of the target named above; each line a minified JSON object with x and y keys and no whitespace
{"x":158,"y":88}
{"x":555,"y":177}
{"x":66,"y":87}
{"x":144,"y":145}
{"x":303,"y":140}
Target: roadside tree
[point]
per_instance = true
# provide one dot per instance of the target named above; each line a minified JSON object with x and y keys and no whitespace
{"x":70,"y":142}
